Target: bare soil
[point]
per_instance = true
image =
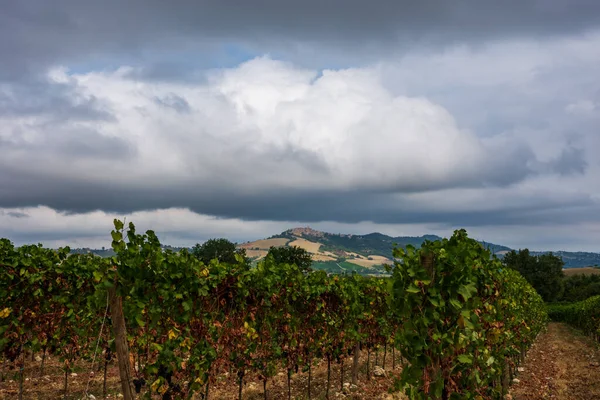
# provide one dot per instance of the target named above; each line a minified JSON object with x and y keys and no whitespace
{"x":563,"y":364}
{"x":50,"y":384}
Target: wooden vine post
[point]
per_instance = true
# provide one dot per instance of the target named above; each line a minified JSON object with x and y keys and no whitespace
{"x":120,"y":332}
{"x":428,"y":264}
{"x":427,"y":261}
{"x":355,"y":363}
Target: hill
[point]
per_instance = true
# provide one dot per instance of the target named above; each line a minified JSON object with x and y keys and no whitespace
{"x":366,"y":254}
{"x":337,"y":252}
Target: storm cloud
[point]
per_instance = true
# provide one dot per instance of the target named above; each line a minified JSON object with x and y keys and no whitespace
{"x":43,"y":33}
{"x":348,"y":115}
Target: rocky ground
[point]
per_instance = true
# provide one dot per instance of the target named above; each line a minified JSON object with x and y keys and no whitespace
{"x":49,"y":384}
{"x":563,"y":364}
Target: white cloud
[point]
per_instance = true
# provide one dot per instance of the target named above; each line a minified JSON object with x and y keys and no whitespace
{"x":436,"y":124}
{"x":267,"y":123}
{"x":173,"y":226}
{"x":181,"y":227}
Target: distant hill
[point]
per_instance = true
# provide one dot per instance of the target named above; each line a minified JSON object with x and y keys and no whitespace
{"x":333,"y":252}
{"x":104,"y":252}
{"x":366,"y":254}
{"x":575,"y":259}
{"x":375,"y":249}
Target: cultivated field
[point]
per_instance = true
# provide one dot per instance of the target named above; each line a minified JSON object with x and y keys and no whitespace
{"x":581,"y":271}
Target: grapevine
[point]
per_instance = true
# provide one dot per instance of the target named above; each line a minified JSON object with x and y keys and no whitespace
{"x":458,"y":319}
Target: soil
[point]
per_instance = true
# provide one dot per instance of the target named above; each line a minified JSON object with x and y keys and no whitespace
{"x":50,"y":384}
{"x":562,"y":364}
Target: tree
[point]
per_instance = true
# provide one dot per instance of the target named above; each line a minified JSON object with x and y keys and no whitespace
{"x":291,"y":255}
{"x":221,"y":249}
{"x":543,"y":272}
{"x":580,"y":287}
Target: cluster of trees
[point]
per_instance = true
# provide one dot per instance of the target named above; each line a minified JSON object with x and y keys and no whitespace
{"x":580,"y":287}
{"x":225,"y":251}
{"x":545,"y":273}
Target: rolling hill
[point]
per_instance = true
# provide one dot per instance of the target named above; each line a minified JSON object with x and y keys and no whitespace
{"x":368,"y":253}
{"x":365,"y":254}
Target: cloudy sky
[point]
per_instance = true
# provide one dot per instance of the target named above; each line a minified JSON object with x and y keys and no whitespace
{"x":241,"y":119}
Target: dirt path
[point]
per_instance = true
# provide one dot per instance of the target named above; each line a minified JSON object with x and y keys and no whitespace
{"x":563,"y":364}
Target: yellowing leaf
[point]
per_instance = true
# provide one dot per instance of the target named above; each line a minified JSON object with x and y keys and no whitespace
{"x":5,"y":313}
{"x":155,"y":385}
{"x":163,"y":389}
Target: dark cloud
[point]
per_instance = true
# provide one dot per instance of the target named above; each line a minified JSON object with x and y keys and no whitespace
{"x":570,"y":162}
{"x":65,"y":143}
{"x":164,"y":71}
{"x":58,"y":101}
{"x":37,"y":33}
{"x":88,"y":144}
{"x":68,"y":164}
{"x":350,"y":206}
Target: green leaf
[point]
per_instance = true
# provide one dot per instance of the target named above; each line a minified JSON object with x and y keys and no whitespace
{"x":413,"y":289}
{"x":455,"y":303}
{"x":466,"y":291}
{"x":465,"y":359}
{"x":139,"y":320}
{"x":98,"y":276}
{"x":434,"y":301}
{"x":118,"y":224}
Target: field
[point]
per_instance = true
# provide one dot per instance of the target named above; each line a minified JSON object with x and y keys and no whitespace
{"x":265,"y":244}
{"x":183,"y":327}
{"x":307,"y":245}
{"x":366,"y":262}
{"x":581,"y":271}
{"x":344,"y":261}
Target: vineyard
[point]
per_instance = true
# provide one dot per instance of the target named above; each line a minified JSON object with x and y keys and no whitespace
{"x":458,"y":320}
{"x":584,"y":315}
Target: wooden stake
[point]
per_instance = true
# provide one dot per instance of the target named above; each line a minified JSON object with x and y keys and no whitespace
{"x":120,"y":332}
{"x":355,"y":364}
{"x":328,"y":376}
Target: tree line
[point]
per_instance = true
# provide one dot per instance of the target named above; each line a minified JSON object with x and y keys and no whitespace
{"x":545,"y":273}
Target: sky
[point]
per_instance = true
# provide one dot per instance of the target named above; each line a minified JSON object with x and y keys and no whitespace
{"x":237,"y":119}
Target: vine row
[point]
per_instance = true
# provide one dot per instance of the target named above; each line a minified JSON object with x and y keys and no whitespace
{"x":458,"y":318}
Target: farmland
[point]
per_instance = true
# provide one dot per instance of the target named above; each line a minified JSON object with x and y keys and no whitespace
{"x":177,"y":325}
{"x":581,"y":271}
